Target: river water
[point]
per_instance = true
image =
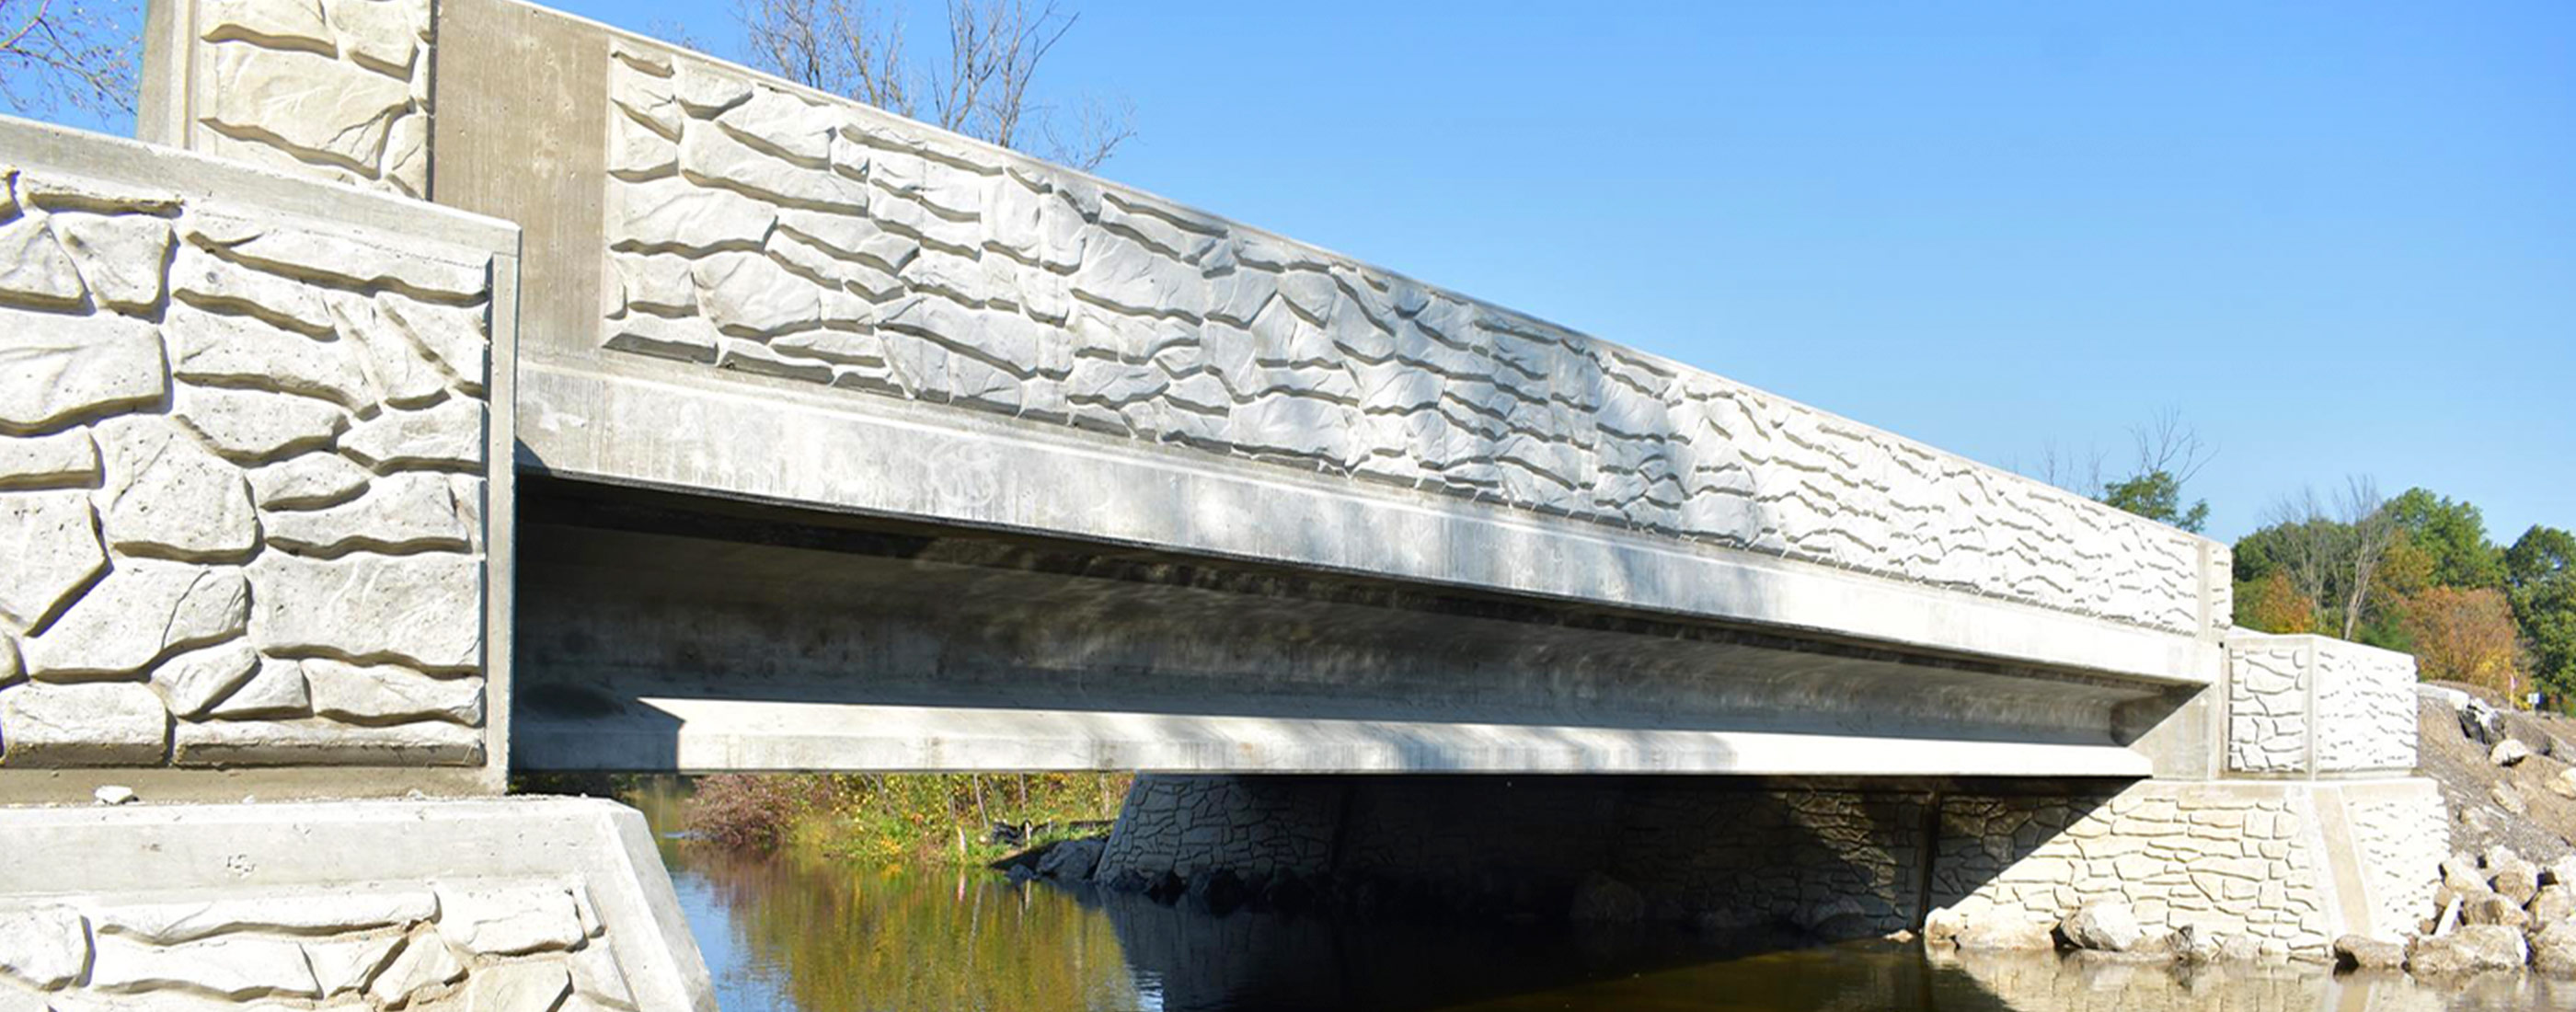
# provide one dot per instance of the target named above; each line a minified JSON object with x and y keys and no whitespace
{"x":806,"y":935}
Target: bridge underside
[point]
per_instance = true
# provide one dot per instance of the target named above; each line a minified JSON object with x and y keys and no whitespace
{"x":663,"y":631}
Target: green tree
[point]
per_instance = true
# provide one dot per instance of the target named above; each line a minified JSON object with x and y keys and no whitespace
{"x":2157,"y":495}
{"x":2540,"y":576}
{"x":2453,"y":538}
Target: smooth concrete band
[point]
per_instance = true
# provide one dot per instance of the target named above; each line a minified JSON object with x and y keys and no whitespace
{"x":693,"y":735}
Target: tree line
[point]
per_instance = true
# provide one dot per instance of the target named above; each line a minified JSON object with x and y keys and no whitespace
{"x":2416,"y":573}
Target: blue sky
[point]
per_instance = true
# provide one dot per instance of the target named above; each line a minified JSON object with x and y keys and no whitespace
{"x":2337,"y":238}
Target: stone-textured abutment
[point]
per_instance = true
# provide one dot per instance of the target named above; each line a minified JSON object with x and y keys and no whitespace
{"x":447,"y":389}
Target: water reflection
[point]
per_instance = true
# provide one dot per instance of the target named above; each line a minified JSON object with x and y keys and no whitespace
{"x":788,"y":935}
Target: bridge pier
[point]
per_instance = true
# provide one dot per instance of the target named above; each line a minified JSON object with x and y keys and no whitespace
{"x":2289,"y":866}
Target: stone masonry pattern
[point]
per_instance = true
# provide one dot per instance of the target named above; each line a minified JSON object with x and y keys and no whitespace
{"x":241,"y":486}
{"x":334,"y":88}
{"x":2302,"y":704}
{"x":469,"y":944}
{"x":753,"y":229}
{"x":2231,"y":859}
{"x":2267,"y":707}
{"x":2365,"y":708}
{"x":2247,"y":860}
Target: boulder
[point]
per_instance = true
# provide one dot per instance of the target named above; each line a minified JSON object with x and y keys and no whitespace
{"x":2561,"y":871}
{"x":2492,"y":908}
{"x":1220,"y":891}
{"x":1942,"y":926}
{"x":2510,"y":800}
{"x":2518,"y":880}
{"x":2003,"y":933}
{"x":2366,"y":953}
{"x":2508,"y":752}
{"x":2192,"y":943}
{"x":2553,"y":949}
{"x":2474,"y":947}
{"x":2481,"y":723}
{"x":2461,"y":875}
{"x":2564,"y":784}
{"x":2554,"y":903}
{"x":2107,"y":926}
{"x":1602,"y":899}
{"x":1072,"y":860}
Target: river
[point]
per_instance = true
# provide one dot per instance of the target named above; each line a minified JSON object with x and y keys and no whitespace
{"x":789,"y":934}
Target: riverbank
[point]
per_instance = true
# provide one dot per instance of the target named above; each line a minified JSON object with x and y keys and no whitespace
{"x":934,"y":819}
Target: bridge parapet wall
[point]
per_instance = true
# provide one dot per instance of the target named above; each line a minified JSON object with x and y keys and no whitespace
{"x":329,"y":89}
{"x":247,"y":475}
{"x":757,"y":227}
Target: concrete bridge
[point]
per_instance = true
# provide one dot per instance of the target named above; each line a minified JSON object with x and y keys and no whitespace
{"x":654,"y":414}
{"x":866,"y":446}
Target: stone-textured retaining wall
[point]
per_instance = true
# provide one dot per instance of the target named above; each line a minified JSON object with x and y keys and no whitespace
{"x":2289,"y":866}
{"x":245,"y":467}
{"x":2294,"y":865}
{"x":336,"y":89}
{"x":2309,"y":705}
{"x":493,"y":904}
{"x":502,"y":945}
{"x":757,"y":227}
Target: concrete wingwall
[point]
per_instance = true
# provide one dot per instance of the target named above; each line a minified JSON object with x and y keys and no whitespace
{"x":255,"y":552}
{"x":257,"y":498}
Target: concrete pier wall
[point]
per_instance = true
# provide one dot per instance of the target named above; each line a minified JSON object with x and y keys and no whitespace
{"x":2290,"y":866}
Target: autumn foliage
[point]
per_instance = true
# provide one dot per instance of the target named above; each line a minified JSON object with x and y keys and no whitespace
{"x":2272,"y":605}
{"x":2466,"y":635}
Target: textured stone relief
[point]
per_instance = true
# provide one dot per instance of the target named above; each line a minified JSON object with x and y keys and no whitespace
{"x":241,"y":481}
{"x":2267,"y":708}
{"x":2231,"y":860}
{"x":2289,"y":698}
{"x":2365,"y":709}
{"x":503,"y":944}
{"x":751,"y":229}
{"x":335,"y":88}
{"x":2401,"y":842}
{"x":2239,"y":860}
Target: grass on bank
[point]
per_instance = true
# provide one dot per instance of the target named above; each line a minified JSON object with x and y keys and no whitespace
{"x":912,"y":818}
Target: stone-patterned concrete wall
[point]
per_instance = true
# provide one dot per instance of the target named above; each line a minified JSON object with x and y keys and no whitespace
{"x":243,"y":475}
{"x":2366,"y":708}
{"x":2267,"y":707}
{"x":494,"y":903}
{"x":2236,"y":859}
{"x":2294,"y":865}
{"x":755,"y":227}
{"x":493,"y":944}
{"x":2400,"y":837}
{"x":2317,"y":705}
{"x":2289,"y":865}
{"x":338,"y":89}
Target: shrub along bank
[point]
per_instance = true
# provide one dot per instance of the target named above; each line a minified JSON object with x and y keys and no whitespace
{"x":929,"y":818}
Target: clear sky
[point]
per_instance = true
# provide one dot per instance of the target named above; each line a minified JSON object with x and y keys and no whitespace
{"x":2339,"y":238}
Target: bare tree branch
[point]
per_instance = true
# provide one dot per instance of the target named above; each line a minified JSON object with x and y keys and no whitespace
{"x":2373,"y":533}
{"x":981,"y":86}
{"x":2166,"y":444}
{"x":55,"y":53}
